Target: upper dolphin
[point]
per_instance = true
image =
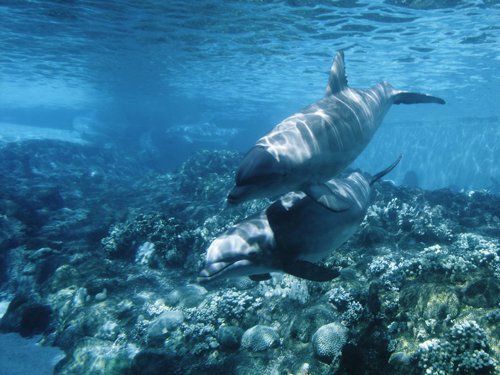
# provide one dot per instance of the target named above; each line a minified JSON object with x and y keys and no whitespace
{"x":315,"y":144}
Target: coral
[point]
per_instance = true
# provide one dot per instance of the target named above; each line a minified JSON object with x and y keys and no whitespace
{"x":328,"y":342}
{"x":207,"y":167}
{"x":225,"y":306}
{"x":259,"y":338}
{"x":150,"y":237}
{"x":286,"y":286}
{"x":410,"y":221}
{"x":202,"y":321}
{"x":100,"y":357}
{"x":144,"y":253}
{"x":464,"y":350}
{"x":422,"y":266}
{"x":350,"y":309}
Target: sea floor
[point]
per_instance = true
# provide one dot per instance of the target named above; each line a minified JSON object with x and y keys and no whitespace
{"x":99,"y":255}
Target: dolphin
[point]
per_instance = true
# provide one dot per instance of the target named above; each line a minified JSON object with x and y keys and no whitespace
{"x":293,"y":232}
{"x":320,"y":141}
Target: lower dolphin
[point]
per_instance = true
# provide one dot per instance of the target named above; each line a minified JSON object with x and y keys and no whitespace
{"x":293,"y":232}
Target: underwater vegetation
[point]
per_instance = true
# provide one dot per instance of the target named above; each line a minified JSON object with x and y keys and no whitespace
{"x":99,"y":256}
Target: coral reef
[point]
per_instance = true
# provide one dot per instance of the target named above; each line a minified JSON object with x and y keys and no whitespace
{"x":100,"y":256}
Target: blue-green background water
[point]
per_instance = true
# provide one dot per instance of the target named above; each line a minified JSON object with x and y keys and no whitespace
{"x":162,"y":79}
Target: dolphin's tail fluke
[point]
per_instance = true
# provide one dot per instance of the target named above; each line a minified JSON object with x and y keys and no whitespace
{"x":381,"y":174}
{"x":405,"y":97}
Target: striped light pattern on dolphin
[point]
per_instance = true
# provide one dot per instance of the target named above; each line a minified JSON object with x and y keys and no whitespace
{"x":293,"y":232}
{"x":320,"y":141}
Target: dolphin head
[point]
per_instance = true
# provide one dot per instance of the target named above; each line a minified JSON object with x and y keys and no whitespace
{"x":259,"y":175}
{"x":240,"y":251}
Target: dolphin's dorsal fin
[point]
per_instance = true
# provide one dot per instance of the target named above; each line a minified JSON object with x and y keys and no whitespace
{"x":337,"y":80}
{"x":310,"y":271}
{"x":328,"y":196}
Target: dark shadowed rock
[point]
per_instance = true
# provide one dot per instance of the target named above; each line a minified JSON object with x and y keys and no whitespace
{"x":26,"y":317}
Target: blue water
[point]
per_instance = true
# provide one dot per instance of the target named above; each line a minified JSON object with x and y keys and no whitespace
{"x":125,"y":72}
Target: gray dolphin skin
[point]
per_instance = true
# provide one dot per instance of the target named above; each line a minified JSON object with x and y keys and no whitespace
{"x":317,"y":143}
{"x":293,"y":232}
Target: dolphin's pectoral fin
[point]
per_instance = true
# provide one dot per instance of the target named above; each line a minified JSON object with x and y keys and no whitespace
{"x":310,"y":271}
{"x":337,"y":80}
{"x":260,"y":277}
{"x":405,"y":97}
{"x":328,"y":198}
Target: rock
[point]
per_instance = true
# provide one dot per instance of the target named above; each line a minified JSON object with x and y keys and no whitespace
{"x":483,"y":293}
{"x":173,"y":298}
{"x":46,"y":262}
{"x":328,"y":342}
{"x":229,"y":337}
{"x":68,"y":338}
{"x":155,"y":362}
{"x":35,"y":319}
{"x":305,"y":324}
{"x":442,"y":305}
{"x":188,"y":296}
{"x":191,"y":295}
{"x":260,"y":338}
{"x":400,"y":361}
{"x":63,"y":277}
{"x":166,"y":322}
{"x":27,"y":318}
{"x":101,"y":296}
